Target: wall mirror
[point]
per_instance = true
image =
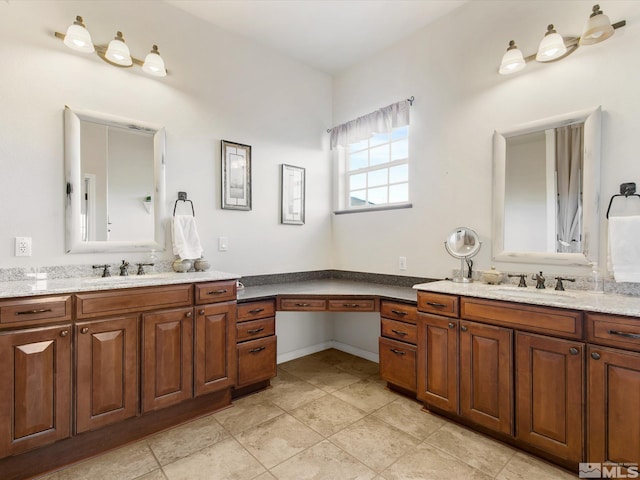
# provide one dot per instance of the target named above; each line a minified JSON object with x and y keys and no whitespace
{"x":115,"y":183}
{"x":546,"y":190}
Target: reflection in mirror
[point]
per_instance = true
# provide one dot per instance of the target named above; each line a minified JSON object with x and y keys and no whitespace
{"x":115,"y":184}
{"x":546,"y":189}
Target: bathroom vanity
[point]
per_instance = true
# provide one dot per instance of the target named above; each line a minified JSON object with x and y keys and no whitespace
{"x":554,"y":373}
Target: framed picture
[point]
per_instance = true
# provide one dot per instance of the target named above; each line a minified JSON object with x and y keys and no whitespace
{"x":293,"y":186}
{"x":236,"y":176}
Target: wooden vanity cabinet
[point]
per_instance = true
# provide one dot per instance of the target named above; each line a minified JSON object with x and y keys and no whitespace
{"x":550,"y":375}
{"x":167,"y":358}
{"x":256,"y":347}
{"x":486,"y":375}
{"x":613,"y":392}
{"x":106,"y":369}
{"x":215,"y":359}
{"x":397,"y":345}
{"x":35,"y":381}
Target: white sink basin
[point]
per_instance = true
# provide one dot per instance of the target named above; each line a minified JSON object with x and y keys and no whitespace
{"x":126,"y":279}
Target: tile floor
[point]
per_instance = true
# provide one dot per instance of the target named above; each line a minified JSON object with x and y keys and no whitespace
{"x":327,"y":416}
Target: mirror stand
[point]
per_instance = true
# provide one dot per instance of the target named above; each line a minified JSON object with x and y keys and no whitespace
{"x":463,"y":243}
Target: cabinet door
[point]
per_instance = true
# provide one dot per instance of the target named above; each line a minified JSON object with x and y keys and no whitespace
{"x":215,"y":364}
{"x":549,"y":394}
{"x":35,"y":381}
{"x":106,"y":372}
{"x":167,"y":363}
{"x":613,"y":408}
{"x":486,"y":385}
{"x":256,"y":360}
{"x":438,"y":361}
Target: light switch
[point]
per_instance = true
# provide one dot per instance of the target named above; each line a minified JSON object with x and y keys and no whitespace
{"x":223,"y":244}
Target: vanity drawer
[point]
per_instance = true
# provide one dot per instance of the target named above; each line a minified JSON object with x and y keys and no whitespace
{"x":352,"y":305}
{"x":623,"y":332}
{"x":254,"y":310}
{"x":302,"y":304}
{"x":439,"y":304}
{"x":215,"y":292}
{"x":256,"y":360}
{"x":36,"y":310}
{"x":552,"y":321}
{"x":405,"y":332}
{"x":255,"y":329}
{"x":398,"y":363}
{"x":90,"y":305}
{"x":399,"y":311}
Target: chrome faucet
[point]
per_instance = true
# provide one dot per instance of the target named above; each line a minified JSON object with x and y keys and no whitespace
{"x":105,"y":271}
{"x":141,"y":267}
{"x":123,"y":269}
{"x":539,"y":280}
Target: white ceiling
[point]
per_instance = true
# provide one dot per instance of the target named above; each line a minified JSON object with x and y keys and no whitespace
{"x":328,"y":35}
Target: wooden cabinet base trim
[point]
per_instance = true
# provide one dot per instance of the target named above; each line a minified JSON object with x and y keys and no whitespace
{"x":249,"y":389}
{"x":83,"y":446}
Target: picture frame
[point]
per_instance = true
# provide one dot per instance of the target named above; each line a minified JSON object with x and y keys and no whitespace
{"x":235,"y":175}
{"x":292,"y":195}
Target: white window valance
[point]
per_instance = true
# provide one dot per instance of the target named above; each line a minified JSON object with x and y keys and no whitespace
{"x":382,"y":120}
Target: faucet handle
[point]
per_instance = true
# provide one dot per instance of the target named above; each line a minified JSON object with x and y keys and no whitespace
{"x":123,"y":268}
{"x":105,"y":271}
{"x":141,"y":267}
{"x":560,"y":286}
{"x":522,"y":276}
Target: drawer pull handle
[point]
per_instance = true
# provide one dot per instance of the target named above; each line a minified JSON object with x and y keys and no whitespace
{"x":398,"y":332}
{"x":351,"y":305}
{"x":188,"y":314}
{"x":452,"y":325}
{"x":463,"y":328}
{"x":256,"y":350}
{"x":256,"y":310}
{"x":399,"y":312}
{"x":595,"y":356}
{"x":438,"y":305}
{"x":397,"y":352}
{"x":574,"y":351}
{"x":303,"y":304}
{"x":32,"y":312}
{"x":64,"y":333}
{"x":201,"y":312}
{"x":84,"y":330}
{"x":625,"y":334}
{"x":255,"y":330}
{"x":217,"y":292}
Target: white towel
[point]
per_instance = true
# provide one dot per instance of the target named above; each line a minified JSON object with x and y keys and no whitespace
{"x":624,"y":248}
{"x":186,"y":242}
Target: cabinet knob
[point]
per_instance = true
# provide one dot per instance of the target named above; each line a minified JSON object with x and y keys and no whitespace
{"x":574,"y":351}
{"x":463,"y":328}
{"x":64,"y":333}
{"x":452,"y":325}
{"x":84,"y":330}
{"x":201,"y":312}
{"x":188,"y":314}
{"x":595,"y":355}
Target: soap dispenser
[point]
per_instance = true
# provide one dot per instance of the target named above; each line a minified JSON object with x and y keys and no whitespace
{"x":597,"y":282}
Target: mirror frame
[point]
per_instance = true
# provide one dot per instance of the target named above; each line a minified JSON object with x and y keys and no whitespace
{"x":74,"y":242}
{"x":592,"y":119}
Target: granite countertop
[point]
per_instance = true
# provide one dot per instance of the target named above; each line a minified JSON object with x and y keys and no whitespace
{"x":29,"y":288}
{"x":328,"y":287}
{"x":572,"y":299}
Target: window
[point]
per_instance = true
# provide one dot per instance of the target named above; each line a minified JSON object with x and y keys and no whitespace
{"x":377,"y":170}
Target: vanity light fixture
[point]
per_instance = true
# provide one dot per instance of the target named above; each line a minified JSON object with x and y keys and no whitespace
{"x":116,"y":53}
{"x":556,"y":47}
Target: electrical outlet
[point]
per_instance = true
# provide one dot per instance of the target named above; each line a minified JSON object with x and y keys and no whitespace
{"x":23,"y":246}
{"x":402,"y":263}
{"x":223,"y":244}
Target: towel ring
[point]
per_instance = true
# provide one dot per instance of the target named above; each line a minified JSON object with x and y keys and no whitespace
{"x":182,"y":197}
{"x":626,"y":190}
